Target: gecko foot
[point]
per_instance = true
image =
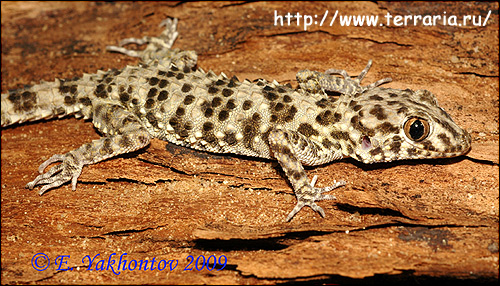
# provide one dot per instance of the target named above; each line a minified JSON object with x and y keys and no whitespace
{"x":312,"y":194}
{"x":68,"y":170}
{"x":163,"y":42}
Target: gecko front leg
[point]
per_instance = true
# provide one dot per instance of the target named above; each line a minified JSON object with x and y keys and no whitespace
{"x":292,"y":149}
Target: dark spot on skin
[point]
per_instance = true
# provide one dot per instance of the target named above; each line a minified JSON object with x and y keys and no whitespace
{"x":106,"y":147}
{"x":395,"y":146}
{"x":174,"y":68}
{"x":209,"y":112}
{"x":327,"y":143}
{"x":174,"y":122}
{"x":171,"y":74}
{"x":286,"y":151}
{"x":212,"y":90}
{"x":350,"y":150}
{"x":180,"y":76}
{"x":188,"y":125}
{"x":402,"y":109}
{"x":247,"y":104}
{"x":281,"y":90}
{"x":163,"y":83}
{"x":388,"y":128}
{"x":340,"y":136}
{"x":64,"y":89}
{"x":100,"y":91}
{"x":412,"y":152}
{"x":210,"y":137}
{"x":124,"y":97}
{"x":230,"y":139}
{"x":337,"y":145}
{"x":152,"y":92}
{"x":223,"y":115}
{"x":124,"y":141}
{"x":152,"y":119}
{"x":378,"y":111}
{"x":186,"y":87}
{"x":287,"y":99}
{"x":322,"y":103}
{"x":265,"y":136}
{"x":230,"y":104}
{"x":219,"y":82}
{"x":273,"y":118}
{"x":216,"y":102}
{"x":296,"y":175}
{"x":189,"y":99}
{"x":227,"y":92}
{"x":68,"y":100}
{"x":427,"y":96}
{"x":183,"y":133}
{"x":150,"y":103}
{"x":180,"y":111}
{"x":129,"y":119}
{"x":232,"y":82}
{"x":376,"y":97}
{"x":391,"y":94}
{"x":250,"y":130}
{"x":307,"y":130}
{"x":153,"y":81}
{"x":324,"y":118}
{"x":356,"y":107}
{"x":376,"y":151}
{"x":291,"y":114}
{"x":85,"y":101}
{"x":428,"y":145}
{"x":445,"y":139}
{"x":279,"y":107}
{"x":271,"y":96}
{"x":268,"y":88}
{"x":208,"y":126}
{"x":356,"y":124}
{"x":163,"y":95}
{"x":25,"y":101}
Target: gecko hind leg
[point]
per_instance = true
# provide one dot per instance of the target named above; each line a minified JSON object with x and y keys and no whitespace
{"x":358,"y":79}
{"x":159,"y":49}
{"x":164,"y":41}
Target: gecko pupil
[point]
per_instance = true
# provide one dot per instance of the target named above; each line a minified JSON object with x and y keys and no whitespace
{"x":417,"y":130}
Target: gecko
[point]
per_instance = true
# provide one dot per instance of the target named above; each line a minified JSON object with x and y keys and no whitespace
{"x":329,"y":116}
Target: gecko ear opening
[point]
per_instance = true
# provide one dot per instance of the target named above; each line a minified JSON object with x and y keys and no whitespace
{"x":366,"y":143}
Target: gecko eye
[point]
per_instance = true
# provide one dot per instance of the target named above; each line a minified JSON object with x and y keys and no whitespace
{"x":417,"y":129}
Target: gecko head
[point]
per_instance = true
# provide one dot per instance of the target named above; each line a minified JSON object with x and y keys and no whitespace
{"x":392,"y":124}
